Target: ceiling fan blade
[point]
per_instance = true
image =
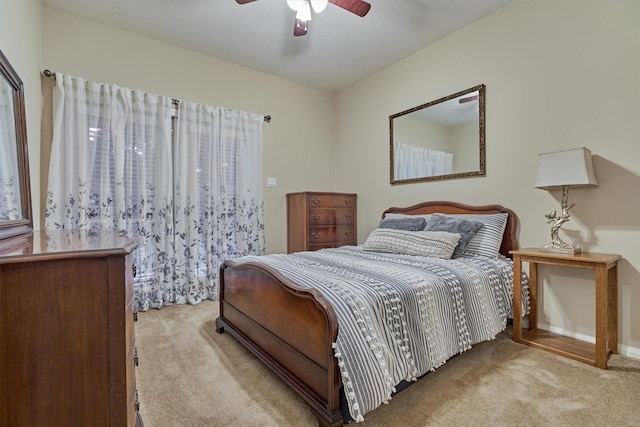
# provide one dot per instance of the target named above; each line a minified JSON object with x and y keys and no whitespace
{"x":300,"y":27}
{"x":359,"y":7}
{"x":468,"y":99}
{"x":244,"y":1}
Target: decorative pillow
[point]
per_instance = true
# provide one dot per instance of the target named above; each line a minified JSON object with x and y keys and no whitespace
{"x":453,"y":224}
{"x":426,"y":217}
{"x":488,"y":239}
{"x":407,"y":224}
{"x":435,"y":244}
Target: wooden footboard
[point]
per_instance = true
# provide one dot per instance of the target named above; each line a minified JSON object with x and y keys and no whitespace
{"x":292,"y":329}
{"x":289,"y":328}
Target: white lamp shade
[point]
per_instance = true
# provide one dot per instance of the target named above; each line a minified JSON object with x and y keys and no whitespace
{"x":569,"y":167}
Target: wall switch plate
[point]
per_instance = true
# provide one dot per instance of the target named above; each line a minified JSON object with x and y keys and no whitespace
{"x":271,"y":182}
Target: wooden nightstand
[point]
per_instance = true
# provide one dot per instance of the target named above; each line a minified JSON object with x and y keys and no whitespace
{"x":606,"y":288}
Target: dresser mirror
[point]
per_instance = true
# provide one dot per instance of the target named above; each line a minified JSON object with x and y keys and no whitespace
{"x":15,"y":192}
{"x":442,"y":139}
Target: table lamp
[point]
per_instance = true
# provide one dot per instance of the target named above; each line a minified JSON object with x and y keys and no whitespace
{"x":563,"y":169}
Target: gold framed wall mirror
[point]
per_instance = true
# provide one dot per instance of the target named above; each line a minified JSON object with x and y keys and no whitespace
{"x":442,"y":139}
{"x":15,"y":190}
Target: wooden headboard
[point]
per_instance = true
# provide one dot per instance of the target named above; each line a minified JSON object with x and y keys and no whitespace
{"x":509,"y":238}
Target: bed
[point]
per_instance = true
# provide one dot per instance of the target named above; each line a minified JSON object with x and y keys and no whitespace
{"x":286,"y":309}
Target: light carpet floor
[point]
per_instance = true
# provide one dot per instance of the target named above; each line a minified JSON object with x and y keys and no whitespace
{"x":189,"y":375}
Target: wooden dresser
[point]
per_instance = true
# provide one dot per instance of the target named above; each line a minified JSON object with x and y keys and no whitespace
{"x":67,"y":353}
{"x":320,"y":220}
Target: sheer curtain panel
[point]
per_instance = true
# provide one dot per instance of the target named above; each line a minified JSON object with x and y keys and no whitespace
{"x":415,"y":162}
{"x":218,"y":193}
{"x":115,"y":164}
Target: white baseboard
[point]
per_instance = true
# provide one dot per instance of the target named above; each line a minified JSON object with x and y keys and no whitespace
{"x":629,"y":351}
{"x":624,"y":350}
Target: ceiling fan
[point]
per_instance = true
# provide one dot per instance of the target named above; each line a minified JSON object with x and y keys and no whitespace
{"x":303,"y":10}
{"x":468,"y":99}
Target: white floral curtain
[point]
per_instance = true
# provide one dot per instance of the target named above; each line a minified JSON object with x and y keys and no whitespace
{"x":217,"y":193}
{"x":414,"y":162}
{"x":115,"y":164}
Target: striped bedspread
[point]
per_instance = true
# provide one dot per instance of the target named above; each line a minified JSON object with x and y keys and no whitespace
{"x":400,"y":316}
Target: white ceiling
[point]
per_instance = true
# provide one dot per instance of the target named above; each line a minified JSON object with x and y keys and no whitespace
{"x":339,"y":49}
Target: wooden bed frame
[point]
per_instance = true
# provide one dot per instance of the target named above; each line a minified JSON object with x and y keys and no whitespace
{"x":291,"y":329}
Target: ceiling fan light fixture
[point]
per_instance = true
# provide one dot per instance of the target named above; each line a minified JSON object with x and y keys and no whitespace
{"x":304,"y":14}
{"x":296,"y":5}
{"x":301,"y":27}
{"x":303,"y":7}
{"x":319,"y":5}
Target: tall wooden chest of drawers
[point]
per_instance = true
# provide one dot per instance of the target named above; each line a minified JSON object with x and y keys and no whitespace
{"x":318,"y":220}
{"x":67,"y":350}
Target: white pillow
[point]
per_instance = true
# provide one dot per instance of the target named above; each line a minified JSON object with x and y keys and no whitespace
{"x":487,"y":241}
{"x":435,"y":244}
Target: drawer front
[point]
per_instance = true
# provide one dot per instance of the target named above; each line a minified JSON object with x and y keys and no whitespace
{"x":331,"y":201}
{"x":340,"y":233}
{"x":331,"y":216}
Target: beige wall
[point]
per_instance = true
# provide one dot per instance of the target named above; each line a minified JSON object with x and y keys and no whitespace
{"x":298,"y":143}
{"x":21,"y":43}
{"x":559,"y":74}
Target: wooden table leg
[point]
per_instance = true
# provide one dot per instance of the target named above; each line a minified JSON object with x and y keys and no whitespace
{"x":517,"y":298}
{"x":601,"y":316}
{"x":612,"y":309}
{"x":533,"y":295}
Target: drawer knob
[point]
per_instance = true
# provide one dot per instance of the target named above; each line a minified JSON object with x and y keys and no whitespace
{"x":315,"y":217}
{"x":315,"y":201}
{"x":316,"y":235}
{"x":348,"y":216}
{"x":347,"y":201}
{"x":348,"y":233}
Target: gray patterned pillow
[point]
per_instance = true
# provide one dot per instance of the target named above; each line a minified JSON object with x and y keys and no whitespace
{"x":408,"y":224}
{"x":488,"y":239}
{"x":399,"y":215}
{"x":435,"y":244}
{"x":453,"y":224}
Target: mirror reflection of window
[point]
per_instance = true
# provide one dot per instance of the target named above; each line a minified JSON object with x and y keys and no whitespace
{"x":15,"y":191}
{"x":10,"y":208}
{"x":442,"y":139}
{"x":415,"y":162}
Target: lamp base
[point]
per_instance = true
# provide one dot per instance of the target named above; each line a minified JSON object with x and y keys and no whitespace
{"x":557,"y":245}
{"x":568,"y":249}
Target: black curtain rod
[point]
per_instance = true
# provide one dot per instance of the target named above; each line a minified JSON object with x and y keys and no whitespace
{"x":49,"y":73}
